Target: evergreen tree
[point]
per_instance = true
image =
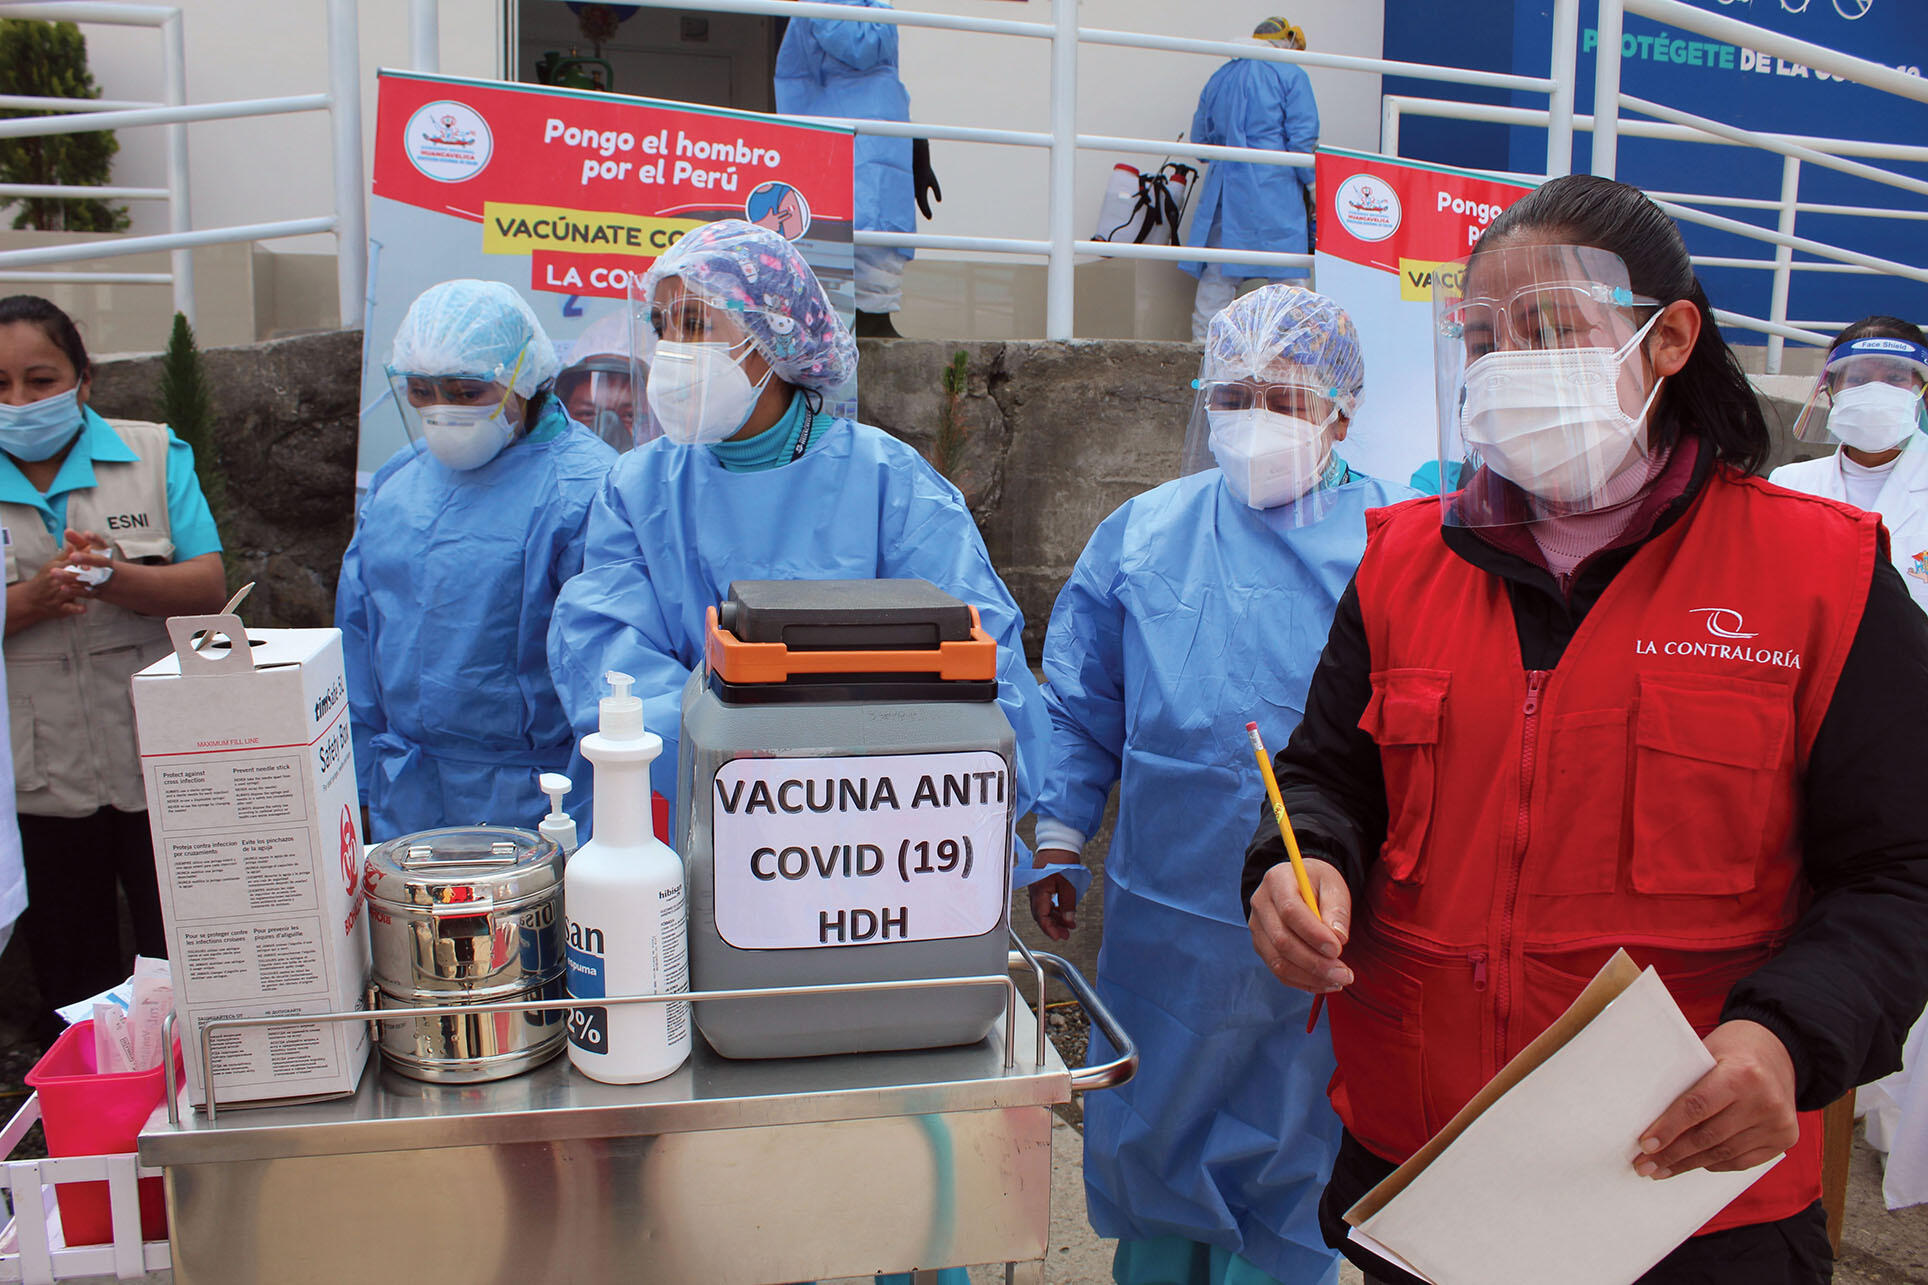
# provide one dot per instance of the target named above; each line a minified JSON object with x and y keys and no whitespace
{"x":49,"y":60}
{"x":187,"y":406}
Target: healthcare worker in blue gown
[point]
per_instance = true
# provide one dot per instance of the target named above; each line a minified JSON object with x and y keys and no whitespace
{"x":827,"y":68}
{"x":753,"y":480}
{"x":1252,"y":102}
{"x":1197,"y":607}
{"x":462,"y":543}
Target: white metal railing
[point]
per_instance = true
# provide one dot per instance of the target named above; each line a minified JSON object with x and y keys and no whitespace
{"x":1670,"y":124}
{"x":342,"y":102}
{"x":1609,"y":100}
{"x":1060,"y":246}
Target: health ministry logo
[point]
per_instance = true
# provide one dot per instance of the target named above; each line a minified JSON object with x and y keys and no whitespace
{"x":1367,"y":208}
{"x":448,"y":141}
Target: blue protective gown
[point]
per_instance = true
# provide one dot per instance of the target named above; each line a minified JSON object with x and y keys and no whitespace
{"x":850,"y":69}
{"x":672,"y":528}
{"x":1187,"y":615}
{"x":443,"y":607}
{"x":1253,"y":103}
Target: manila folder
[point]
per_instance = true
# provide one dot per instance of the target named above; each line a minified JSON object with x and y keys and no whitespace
{"x":1534,"y":1181}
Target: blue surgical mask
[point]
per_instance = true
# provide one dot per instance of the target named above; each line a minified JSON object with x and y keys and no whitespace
{"x":40,"y":430}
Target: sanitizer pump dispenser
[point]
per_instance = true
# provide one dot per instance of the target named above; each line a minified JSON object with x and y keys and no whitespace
{"x":558,"y":825}
{"x":628,"y":920}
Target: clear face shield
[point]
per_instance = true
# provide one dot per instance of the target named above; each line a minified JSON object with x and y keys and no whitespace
{"x":1544,"y":391}
{"x":1869,"y":396}
{"x":698,"y":364}
{"x":600,"y":394}
{"x":1271,"y":433}
{"x":464,"y":420}
{"x":599,"y":389}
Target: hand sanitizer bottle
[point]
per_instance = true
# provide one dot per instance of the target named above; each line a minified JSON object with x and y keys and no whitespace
{"x":628,"y":923}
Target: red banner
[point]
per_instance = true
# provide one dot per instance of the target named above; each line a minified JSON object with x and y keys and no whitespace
{"x":463,"y":145}
{"x":566,"y":194}
{"x":1385,"y":226}
{"x":596,"y":276}
{"x":1386,"y":214}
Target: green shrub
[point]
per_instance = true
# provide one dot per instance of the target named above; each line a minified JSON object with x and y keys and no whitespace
{"x":187,"y":406}
{"x":49,"y":60}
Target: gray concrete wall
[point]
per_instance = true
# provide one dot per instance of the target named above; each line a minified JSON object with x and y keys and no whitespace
{"x":287,"y":415}
{"x":1049,"y":439}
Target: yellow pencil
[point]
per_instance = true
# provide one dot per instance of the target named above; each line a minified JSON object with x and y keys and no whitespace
{"x":1291,"y":843}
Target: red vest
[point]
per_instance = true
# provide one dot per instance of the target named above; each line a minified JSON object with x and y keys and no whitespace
{"x":1643,"y":794}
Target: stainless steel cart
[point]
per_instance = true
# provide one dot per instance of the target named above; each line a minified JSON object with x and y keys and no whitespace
{"x":725,"y":1172}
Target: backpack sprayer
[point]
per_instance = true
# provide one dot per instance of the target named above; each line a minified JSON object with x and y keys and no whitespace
{"x":1139,"y":204}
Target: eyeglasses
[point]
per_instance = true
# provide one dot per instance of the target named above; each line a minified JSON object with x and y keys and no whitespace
{"x":691,"y":320}
{"x":421,"y":390}
{"x":1563,"y":314}
{"x":451,"y":390}
{"x":1295,"y":400}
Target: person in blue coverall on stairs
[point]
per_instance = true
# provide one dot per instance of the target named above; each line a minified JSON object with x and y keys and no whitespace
{"x":1252,"y":102}
{"x":464,"y":539}
{"x":1197,"y":607}
{"x":827,"y":68}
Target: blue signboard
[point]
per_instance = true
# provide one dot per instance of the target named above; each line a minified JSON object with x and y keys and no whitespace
{"x":1727,"y":83}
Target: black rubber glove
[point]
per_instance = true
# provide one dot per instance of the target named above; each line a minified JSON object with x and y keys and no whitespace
{"x":923,"y":178}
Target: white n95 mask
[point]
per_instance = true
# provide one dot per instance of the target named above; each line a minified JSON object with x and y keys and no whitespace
{"x":465,"y":437}
{"x":699,"y":392}
{"x":1549,"y":420}
{"x":1874,"y":416}
{"x":1268,"y":459}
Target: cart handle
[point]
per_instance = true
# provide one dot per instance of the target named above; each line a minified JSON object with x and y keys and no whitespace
{"x":1105,"y":1075}
{"x":208,"y":1030}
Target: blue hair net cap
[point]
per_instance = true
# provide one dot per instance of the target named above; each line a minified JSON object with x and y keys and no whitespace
{"x":1287,"y":334}
{"x":761,"y":279}
{"x":469,"y":327}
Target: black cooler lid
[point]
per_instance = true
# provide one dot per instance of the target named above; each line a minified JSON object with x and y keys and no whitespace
{"x":845,"y":615}
{"x":852,"y":617}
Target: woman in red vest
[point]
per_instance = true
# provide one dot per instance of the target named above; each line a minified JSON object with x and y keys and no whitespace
{"x":1614,"y":693}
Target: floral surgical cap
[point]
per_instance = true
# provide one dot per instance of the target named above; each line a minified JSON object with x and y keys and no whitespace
{"x":468,"y":327}
{"x":1287,"y":334}
{"x":758,"y":276}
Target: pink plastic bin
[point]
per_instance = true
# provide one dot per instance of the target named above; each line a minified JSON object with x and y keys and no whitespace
{"x":86,"y":1113}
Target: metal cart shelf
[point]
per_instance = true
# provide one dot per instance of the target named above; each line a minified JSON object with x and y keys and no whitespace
{"x":729,"y":1172}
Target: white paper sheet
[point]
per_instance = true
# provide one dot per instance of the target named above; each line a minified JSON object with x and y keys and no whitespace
{"x":1541,"y":1186}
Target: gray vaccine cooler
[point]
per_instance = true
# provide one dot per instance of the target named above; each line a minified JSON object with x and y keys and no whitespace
{"x":845,"y":802}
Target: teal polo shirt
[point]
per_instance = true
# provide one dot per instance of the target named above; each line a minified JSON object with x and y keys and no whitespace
{"x":188,"y":516}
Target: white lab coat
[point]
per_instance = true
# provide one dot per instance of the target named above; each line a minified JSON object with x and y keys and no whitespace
{"x":1895,"y":1107}
{"x":1902,"y":504}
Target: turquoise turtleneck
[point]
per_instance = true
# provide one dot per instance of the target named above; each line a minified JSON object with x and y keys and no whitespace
{"x":770,"y":448}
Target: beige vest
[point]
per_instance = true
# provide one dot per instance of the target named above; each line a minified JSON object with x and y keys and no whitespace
{"x":69,"y":680}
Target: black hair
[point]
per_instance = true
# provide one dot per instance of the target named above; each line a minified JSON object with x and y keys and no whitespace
{"x":1880,"y":328}
{"x":533,"y":403}
{"x":55,"y":324}
{"x":1710,"y":396}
